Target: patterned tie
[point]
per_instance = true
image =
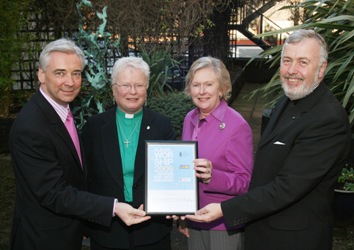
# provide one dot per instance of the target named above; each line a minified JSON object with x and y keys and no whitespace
{"x":70,"y":126}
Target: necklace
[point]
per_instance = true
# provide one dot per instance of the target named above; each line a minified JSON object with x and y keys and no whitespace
{"x":126,"y":142}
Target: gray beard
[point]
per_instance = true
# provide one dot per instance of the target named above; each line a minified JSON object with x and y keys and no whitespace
{"x":301,"y":92}
{"x":295,"y":94}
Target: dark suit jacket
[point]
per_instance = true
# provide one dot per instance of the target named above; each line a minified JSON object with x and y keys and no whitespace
{"x":296,"y":166}
{"x":49,"y":183}
{"x":106,"y":177}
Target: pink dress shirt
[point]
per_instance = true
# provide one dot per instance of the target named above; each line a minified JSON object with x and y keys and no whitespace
{"x":224,"y":138}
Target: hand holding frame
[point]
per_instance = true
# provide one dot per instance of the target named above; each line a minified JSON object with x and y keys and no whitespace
{"x":130,"y":215}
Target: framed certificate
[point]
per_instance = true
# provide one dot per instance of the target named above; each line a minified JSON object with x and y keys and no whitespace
{"x":171,"y":185}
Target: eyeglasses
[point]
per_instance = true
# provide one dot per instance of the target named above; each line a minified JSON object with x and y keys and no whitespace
{"x":128,"y":87}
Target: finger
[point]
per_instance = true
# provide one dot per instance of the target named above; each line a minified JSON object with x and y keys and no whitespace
{"x":184,"y":232}
{"x":200,"y":161}
{"x":175,"y":217}
{"x":201,"y":211}
{"x":136,"y":220}
{"x":139,"y":212}
{"x":187,"y":232}
{"x":201,"y":170}
{"x":196,"y":218}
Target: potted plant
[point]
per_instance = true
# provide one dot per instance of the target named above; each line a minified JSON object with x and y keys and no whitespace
{"x":346,"y":180}
{"x":343,"y":206}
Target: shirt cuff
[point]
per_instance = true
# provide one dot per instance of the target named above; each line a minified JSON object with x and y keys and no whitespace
{"x":114,"y":207}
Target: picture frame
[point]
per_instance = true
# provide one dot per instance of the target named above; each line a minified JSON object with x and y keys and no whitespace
{"x":171,"y":184}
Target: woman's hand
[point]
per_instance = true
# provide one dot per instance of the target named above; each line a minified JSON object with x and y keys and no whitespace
{"x":183,"y":228}
{"x":203,"y":169}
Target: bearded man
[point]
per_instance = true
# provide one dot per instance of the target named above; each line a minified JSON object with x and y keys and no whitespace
{"x":298,"y":160}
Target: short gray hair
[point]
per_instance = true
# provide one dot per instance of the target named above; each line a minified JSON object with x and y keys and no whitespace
{"x":136,"y":62}
{"x":301,"y":34}
{"x":61,"y":45}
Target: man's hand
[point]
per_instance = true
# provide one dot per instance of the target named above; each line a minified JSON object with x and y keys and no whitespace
{"x":208,"y":213}
{"x":130,"y":215}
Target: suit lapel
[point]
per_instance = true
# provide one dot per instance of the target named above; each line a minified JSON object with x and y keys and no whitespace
{"x":302,"y":107}
{"x":83,"y":157}
{"x":268,"y":132}
{"x":57,"y":124}
{"x":147,"y":127}
{"x":111,"y":154}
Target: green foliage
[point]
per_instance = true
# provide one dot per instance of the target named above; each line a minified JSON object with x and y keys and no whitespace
{"x":334,"y":20}
{"x":347,"y":179}
{"x":175,"y":105}
{"x":96,"y":94}
{"x":160,"y":62}
{"x":9,"y":28}
{"x":11,"y":19}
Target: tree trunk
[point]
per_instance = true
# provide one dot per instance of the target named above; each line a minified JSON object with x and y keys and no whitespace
{"x":216,"y":38}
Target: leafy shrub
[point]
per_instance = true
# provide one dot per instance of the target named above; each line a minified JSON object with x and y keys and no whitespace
{"x":175,"y":105}
{"x":160,"y":62}
{"x":347,"y":179}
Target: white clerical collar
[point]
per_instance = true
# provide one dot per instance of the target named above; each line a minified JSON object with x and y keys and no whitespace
{"x":125,"y":115}
{"x":129,"y":116}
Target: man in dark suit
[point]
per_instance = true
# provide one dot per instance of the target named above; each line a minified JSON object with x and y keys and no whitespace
{"x":49,"y":170}
{"x":298,"y":159}
{"x":114,"y":142}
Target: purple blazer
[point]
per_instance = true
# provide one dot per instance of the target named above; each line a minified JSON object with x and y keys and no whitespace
{"x":224,"y":138}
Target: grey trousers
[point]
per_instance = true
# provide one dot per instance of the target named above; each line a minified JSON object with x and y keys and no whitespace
{"x":215,"y":240}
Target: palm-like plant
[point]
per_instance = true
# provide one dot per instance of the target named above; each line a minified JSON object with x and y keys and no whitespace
{"x":160,"y":62}
{"x":334,"y":20}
